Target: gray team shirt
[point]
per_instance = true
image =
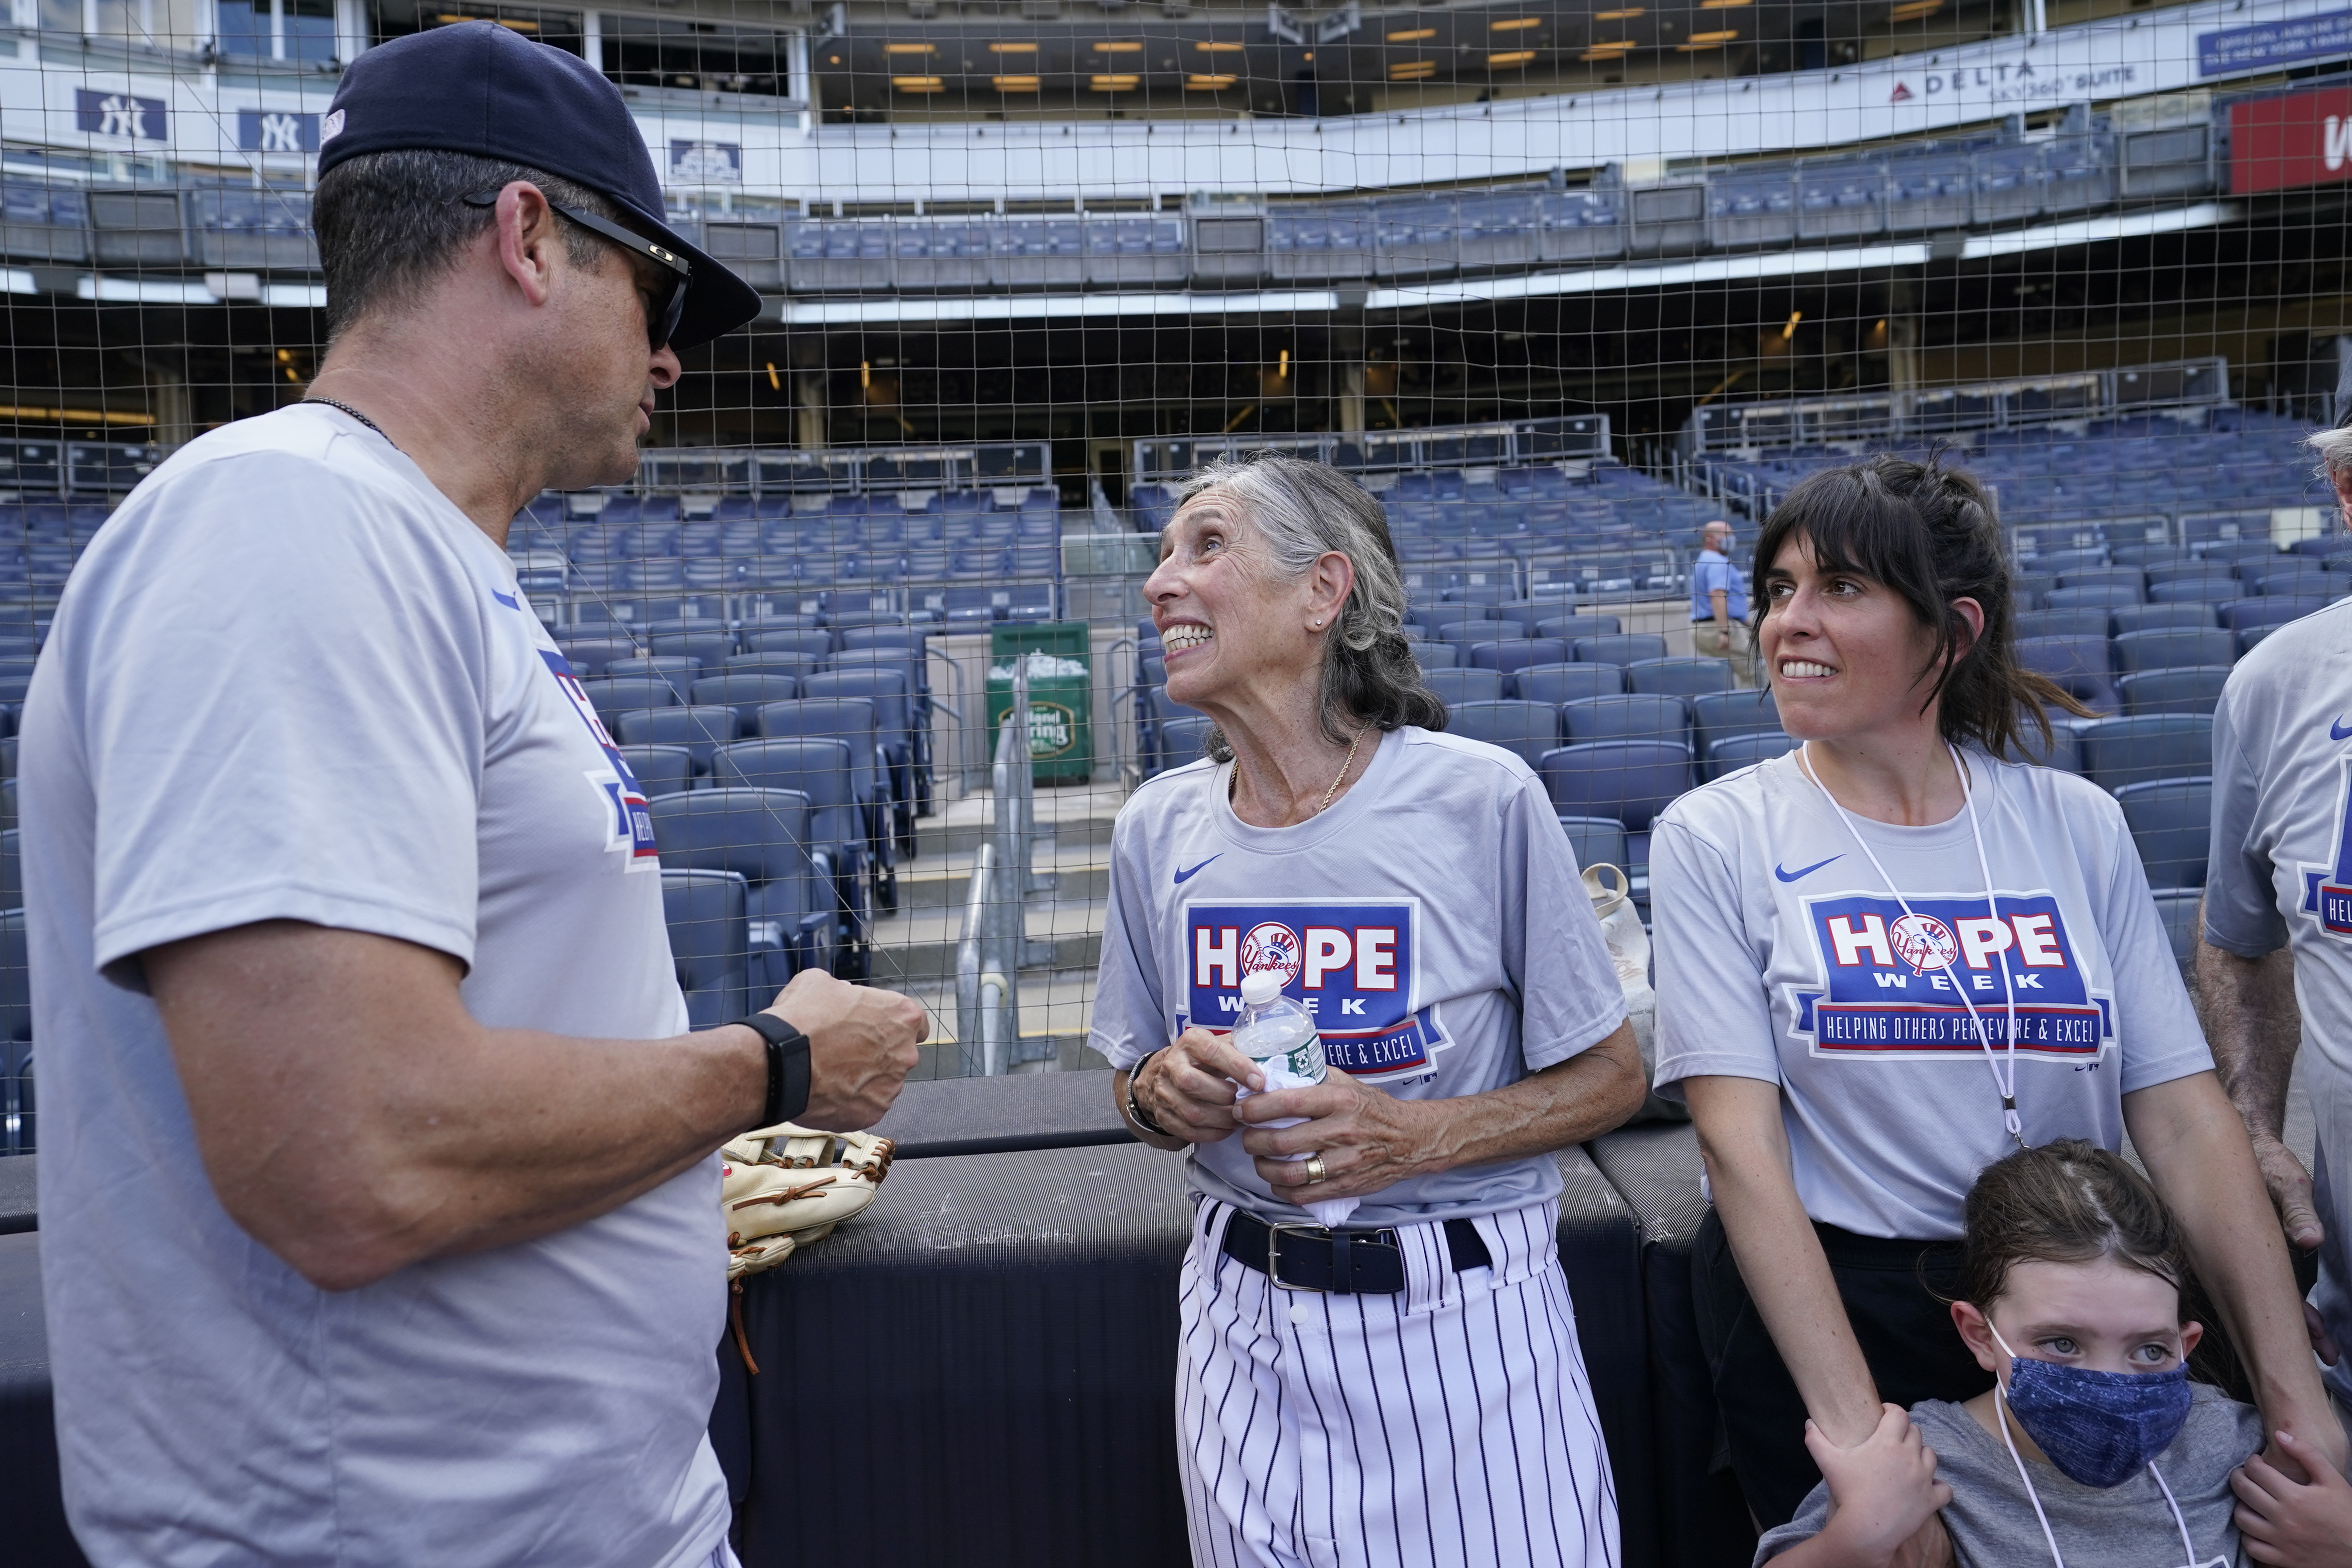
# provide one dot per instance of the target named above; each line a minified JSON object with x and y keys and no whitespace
{"x":1991,"y":1521}
{"x":1432,"y":920}
{"x":1781,"y":955}
{"x":2280,"y":875}
{"x":290,"y":680}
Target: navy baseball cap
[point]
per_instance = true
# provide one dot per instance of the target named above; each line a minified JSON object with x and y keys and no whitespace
{"x":480,"y":87}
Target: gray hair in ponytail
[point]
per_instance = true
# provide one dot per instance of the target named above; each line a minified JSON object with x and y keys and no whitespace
{"x":1304,"y":510}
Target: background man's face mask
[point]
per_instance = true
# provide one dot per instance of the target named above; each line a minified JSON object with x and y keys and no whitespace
{"x":2098,"y":1427}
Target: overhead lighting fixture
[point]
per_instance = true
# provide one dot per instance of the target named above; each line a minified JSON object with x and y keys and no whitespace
{"x":1413,"y":70}
{"x":1119,"y":48}
{"x":917,"y":84}
{"x":1627,"y":14}
{"x":1115,"y":83}
{"x":1723,"y":4}
{"x":1219,"y":47}
{"x":1511,"y":58}
{"x":518,"y":27}
{"x":1609,"y":51}
{"x":1283,"y":369}
{"x":1412,"y":35}
{"x":1013,"y":83}
{"x":1012,"y":48}
{"x":1913,"y":10}
{"x":1514,"y":23}
{"x":910,"y":49}
{"x":1790,"y":331}
{"x":1723,"y":37}
{"x":1209,"y":81}
{"x":775,"y":383}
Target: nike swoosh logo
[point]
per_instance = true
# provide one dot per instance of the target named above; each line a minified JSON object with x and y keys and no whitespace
{"x":1184,"y":877}
{"x":1807,"y":871}
{"x":2337,"y":731}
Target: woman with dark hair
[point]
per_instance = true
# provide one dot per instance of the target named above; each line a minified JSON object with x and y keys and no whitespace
{"x":1407,"y":1389}
{"x":1892,"y":955}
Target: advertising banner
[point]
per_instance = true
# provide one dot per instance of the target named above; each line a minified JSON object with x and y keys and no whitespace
{"x":2295,"y":139}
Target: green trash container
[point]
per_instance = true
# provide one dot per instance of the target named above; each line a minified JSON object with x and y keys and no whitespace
{"x":1061,"y":694}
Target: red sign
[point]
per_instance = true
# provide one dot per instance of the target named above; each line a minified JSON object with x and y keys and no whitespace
{"x":2297,"y":139}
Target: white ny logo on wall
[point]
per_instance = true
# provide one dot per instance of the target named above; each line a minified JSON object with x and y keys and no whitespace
{"x":120,"y":116}
{"x":281,"y":133}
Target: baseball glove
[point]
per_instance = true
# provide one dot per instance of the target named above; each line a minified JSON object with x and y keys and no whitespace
{"x":782,"y":1188}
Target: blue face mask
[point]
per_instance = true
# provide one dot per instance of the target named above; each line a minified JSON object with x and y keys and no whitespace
{"x":2100,"y":1428}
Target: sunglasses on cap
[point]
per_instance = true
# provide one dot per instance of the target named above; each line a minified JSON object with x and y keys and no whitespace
{"x":661,"y":316}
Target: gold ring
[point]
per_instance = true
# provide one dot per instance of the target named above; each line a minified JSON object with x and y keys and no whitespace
{"x":1316,"y":1173}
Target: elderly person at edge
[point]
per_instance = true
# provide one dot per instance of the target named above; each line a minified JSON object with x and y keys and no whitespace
{"x":1408,"y":1388}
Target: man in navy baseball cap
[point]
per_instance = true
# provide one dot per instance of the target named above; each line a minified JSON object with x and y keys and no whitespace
{"x":484,"y":90}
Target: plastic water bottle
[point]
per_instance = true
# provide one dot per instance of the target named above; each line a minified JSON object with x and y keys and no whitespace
{"x":1278,"y":1034}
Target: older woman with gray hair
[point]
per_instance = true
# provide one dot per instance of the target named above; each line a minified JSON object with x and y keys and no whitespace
{"x":1408,"y":1388}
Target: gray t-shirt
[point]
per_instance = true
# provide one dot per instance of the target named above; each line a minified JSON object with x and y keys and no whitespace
{"x":290,"y":680}
{"x":1432,"y":920}
{"x":1991,"y":1521}
{"x":2280,"y":875}
{"x":1782,"y":955}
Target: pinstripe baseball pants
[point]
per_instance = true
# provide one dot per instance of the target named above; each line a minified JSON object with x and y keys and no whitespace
{"x":1449,"y":1424}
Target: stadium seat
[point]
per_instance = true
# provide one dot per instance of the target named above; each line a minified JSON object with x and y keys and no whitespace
{"x":886,"y":688}
{"x":1620,"y":649}
{"x":760,"y":835}
{"x":1633,"y":715}
{"x":2060,"y":751}
{"x":676,"y":669}
{"x":1528,"y":730}
{"x":1183,"y":738}
{"x":616,"y":695}
{"x":1436,"y":655}
{"x":12,"y":870}
{"x":1679,"y":677}
{"x":855,"y":720}
{"x":1454,"y":687}
{"x":8,"y":804}
{"x":1596,"y":841}
{"x":1714,"y":714}
{"x":2185,"y":688}
{"x":660,"y":770}
{"x":2197,"y":590}
{"x":7,"y":756}
{"x":589,"y":656}
{"x":1434,"y":618}
{"x":704,"y":911}
{"x":1516,"y":653}
{"x":1629,"y":781}
{"x":2171,"y":820}
{"x":2173,"y":648}
{"x":2135,"y":749}
{"x":2080,"y":666}
{"x":744,"y":692}
{"x":1559,"y":683}
{"x":2157,"y":617}
{"x":710,"y":649}
{"x":701,"y":731}
{"x":813,"y":646}
{"x":1466,"y":634}
{"x":18,"y":1122}
{"x":2072,"y":575}
{"x":797,"y":667}
{"x":2292,"y":576}
{"x":2270,"y":610}
{"x":2091,"y":621}
{"x":819,"y":769}
{"x":2249,"y":636}
{"x":2178,"y":910}
{"x":2096,"y":595}
{"x":1568,"y":628}
{"x":1730,"y":754}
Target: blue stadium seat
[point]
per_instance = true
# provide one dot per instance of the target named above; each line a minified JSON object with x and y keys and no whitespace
{"x":760,"y":835}
{"x":745,"y":691}
{"x":2080,"y":666}
{"x":2171,"y":820}
{"x":676,"y":669}
{"x":2087,"y":578}
{"x":1621,"y":649}
{"x":18,"y":1121}
{"x":2157,"y":617}
{"x":704,"y":911}
{"x":2249,"y":636}
{"x":1434,"y":618}
{"x":855,"y":721}
{"x":1458,"y":686}
{"x":1596,"y":841}
{"x":2270,"y":610}
{"x":709,"y":648}
{"x":1679,"y":677}
{"x":2180,"y":689}
{"x":1568,"y":628}
{"x":2060,"y":752}
{"x":2197,"y":591}
{"x":2178,"y":910}
{"x":660,"y":770}
{"x":815,"y":646}
{"x":1527,"y":730}
{"x":1715,"y":714}
{"x":1517,"y":653}
{"x":2090,"y":621}
{"x":1466,"y":634}
{"x":798,"y":667}
{"x":2173,"y":648}
{"x":887,"y":687}
{"x":2135,"y":749}
{"x":8,"y":804}
{"x":2094,"y":594}
{"x":1559,"y":683}
{"x":1633,"y":715}
{"x":819,"y":769}
{"x":1630,"y":781}
{"x":1183,"y":738}
{"x":1730,"y":754}
{"x":12,"y":870}
{"x":616,"y":695}
{"x":700,"y":730}
{"x":1436,"y":655}
{"x":589,"y":656}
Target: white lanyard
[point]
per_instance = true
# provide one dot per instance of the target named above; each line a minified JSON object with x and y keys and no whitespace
{"x":2007,"y":1088}
{"x":2187,"y":1547}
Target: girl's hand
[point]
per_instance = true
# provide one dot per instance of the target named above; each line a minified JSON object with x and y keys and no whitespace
{"x":2304,"y":1525}
{"x":1883,"y":1491}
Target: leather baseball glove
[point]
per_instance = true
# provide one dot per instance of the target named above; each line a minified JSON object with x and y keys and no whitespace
{"x":785,"y":1187}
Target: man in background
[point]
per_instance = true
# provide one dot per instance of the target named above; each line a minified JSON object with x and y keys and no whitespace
{"x":1718,"y":602}
{"x":378,"y":1201}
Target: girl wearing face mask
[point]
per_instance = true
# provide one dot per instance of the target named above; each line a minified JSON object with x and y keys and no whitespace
{"x":1890,"y":957}
{"x":2092,"y":1447}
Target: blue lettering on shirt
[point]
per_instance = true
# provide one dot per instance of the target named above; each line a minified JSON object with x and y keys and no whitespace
{"x":2328,"y":889}
{"x":632,"y":818}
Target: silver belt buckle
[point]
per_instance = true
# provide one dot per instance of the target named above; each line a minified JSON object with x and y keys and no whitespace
{"x":1274,"y":1254}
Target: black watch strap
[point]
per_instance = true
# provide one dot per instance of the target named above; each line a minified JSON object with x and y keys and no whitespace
{"x":788,"y":1067}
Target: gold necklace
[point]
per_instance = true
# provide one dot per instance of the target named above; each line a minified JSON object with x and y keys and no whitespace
{"x":1234,"y":779}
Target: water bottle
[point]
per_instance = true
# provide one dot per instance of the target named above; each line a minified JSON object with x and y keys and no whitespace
{"x":1278,"y":1034}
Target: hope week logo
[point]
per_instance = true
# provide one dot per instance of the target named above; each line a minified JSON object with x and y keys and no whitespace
{"x":1350,"y":965}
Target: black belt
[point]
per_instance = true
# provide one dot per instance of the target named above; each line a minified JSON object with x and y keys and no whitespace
{"x":1344,"y":1262}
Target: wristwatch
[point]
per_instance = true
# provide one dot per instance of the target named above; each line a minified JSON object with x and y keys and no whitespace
{"x":788,"y":1067}
{"x":1135,"y":1111}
